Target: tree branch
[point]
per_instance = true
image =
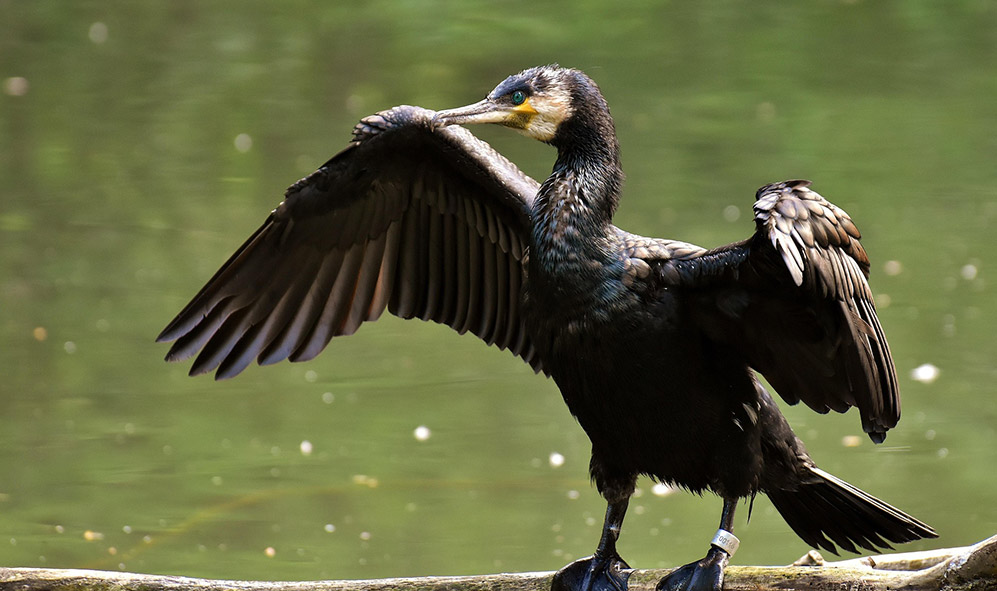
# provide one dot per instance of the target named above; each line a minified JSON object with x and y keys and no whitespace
{"x":970,"y":568}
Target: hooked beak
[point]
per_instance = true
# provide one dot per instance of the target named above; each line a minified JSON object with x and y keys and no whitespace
{"x":485,"y":111}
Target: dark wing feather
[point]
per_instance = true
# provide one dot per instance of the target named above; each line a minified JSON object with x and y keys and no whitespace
{"x":794,"y":298}
{"x":428,"y":224}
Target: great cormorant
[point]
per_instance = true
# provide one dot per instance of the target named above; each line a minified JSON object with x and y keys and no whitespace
{"x":654,"y":344}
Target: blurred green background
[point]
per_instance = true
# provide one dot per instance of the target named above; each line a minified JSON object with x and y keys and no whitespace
{"x":141,"y":142}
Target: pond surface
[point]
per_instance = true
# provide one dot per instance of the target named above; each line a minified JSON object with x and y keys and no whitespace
{"x":140,"y":143}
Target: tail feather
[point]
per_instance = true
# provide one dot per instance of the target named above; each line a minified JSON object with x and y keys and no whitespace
{"x":826,"y":511}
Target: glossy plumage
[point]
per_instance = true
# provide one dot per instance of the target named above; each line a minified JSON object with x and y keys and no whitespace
{"x":653,"y":343}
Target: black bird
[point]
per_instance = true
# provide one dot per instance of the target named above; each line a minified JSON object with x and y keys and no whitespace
{"x":653,"y":343}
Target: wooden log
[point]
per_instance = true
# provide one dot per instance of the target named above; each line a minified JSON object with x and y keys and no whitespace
{"x":970,"y":568}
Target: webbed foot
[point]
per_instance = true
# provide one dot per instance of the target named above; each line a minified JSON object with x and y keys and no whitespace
{"x":705,"y":575}
{"x":593,"y":574}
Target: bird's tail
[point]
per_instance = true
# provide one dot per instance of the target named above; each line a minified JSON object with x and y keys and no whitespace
{"x":826,"y":510}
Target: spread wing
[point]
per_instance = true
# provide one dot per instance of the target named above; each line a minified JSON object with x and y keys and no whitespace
{"x":429,"y":224}
{"x":795,"y":300}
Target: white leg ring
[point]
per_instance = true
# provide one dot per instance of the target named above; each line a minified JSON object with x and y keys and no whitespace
{"x":726,"y":541}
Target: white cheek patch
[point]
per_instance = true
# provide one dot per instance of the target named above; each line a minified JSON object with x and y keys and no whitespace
{"x":552,"y":110}
{"x":540,"y":129}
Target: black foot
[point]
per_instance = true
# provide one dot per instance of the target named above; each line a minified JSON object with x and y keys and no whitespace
{"x":593,"y":574}
{"x":705,"y":575}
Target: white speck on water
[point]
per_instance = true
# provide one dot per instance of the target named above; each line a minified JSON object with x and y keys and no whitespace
{"x":15,"y":86}
{"x":364,"y":480}
{"x":365,"y":535}
{"x":328,"y":397}
{"x":70,"y":347}
{"x":732,"y":213}
{"x":893,"y":268}
{"x":968,"y":272}
{"x":573,"y":494}
{"x":329,"y":528}
{"x":243,"y":142}
{"x":127,"y":529}
{"x":851,"y":441}
{"x":925,"y":373}
{"x":98,"y":33}
{"x":306,"y":448}
{"x":270,"y":552}
{"x":310,"y":376}
{"x":930,"y":434}
{"x":422,"y":433}
{"x":942,"y":452}
{"x":216,"y":480}
{"x":556,"y":460}
{"x":661,"y":490}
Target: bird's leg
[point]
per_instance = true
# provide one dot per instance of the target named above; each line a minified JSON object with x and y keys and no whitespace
{"x":708,"y":573}
{"x":604,"y":570}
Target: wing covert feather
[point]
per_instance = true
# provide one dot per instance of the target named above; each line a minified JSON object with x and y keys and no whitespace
{"x":819,"y":245}
{"x":795,"y":299}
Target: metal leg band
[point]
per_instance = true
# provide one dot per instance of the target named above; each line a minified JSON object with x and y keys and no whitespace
{"x":726,"y":541}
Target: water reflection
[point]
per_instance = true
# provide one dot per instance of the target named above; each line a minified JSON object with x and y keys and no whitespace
{"x":139,"y":145}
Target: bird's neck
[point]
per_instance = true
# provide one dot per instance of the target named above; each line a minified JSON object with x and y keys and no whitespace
{"x":574,"y":207}
{"x":573,"y":245}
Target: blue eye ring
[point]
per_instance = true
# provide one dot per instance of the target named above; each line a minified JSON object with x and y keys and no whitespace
{"x":518,"y":97}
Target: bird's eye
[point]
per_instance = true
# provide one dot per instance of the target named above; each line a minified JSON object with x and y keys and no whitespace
{"x":518,"y":97}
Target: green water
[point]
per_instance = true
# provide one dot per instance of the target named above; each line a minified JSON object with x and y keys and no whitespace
{"x":122,"y":190}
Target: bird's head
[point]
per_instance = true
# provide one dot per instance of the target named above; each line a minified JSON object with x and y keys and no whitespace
{"x":534,"y":102}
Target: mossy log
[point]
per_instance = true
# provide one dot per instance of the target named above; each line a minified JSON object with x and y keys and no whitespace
{"x":970,"y":568}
